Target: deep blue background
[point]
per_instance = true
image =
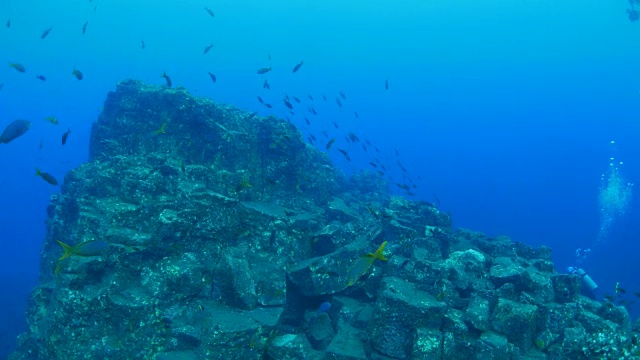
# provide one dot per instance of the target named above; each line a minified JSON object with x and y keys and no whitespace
{"x":503,"y":110}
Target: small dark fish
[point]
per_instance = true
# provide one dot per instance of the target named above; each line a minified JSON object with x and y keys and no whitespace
{"x":373,"y":164}
{"x":18,"y":67}
{"x":213,"y":77}
{"x":310,"y":97}
{"x":167,"y":79}
{"x":313,"y":110}
{"x":143,"y":45}
{"x":328,"y":146}
{"x":634,"y":15}
{"x":47,"y":177}
{"x":297,"y":67}
{"x":287,"y":104}
{"x":41,"y":77}
{"x":313,"y":137}
{"x":364,"y":147}
{"x":207,"y":48}
{"x":324,"y":97}
{"x":210,"y":12}
{"x":343,"y":96}
{"x":380,"y":173}
{"x":252,"y":115}
{"x":397,"y":153}
{"x":268,"y":106}
{"x":402,"y":167}
{"x":296,"y":99}
{"x":78,"y":74}
{"x":65,"y":136}
{"x":260,"y":100}
{"x":386,"y":84}
{"x":263,"y":70}
{"x":8,"y":23}
{"x":335,"y":125}
{"x":356,"y":114}
{"x":45,"y":33}
{"x":266,"y":85}
{"x":338,"y":101}
{"x":1,"y":86}
{"x":353,"y":137}
{"x":307,"y":121}
{"x":84,"y":27}
{"x":286,"y":96}
{"x":14,"y":130}
{"x":41,"y":144}
{"x":344,"y":153}
{"x":310,"y":140}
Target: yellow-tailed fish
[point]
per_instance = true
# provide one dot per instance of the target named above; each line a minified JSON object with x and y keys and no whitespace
{"x":363,"y":264}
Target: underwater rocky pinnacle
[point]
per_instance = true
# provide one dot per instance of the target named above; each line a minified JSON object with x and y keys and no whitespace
{"x":200,"y":231}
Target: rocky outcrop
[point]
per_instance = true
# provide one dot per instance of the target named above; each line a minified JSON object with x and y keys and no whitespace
{"x":225,"y":232}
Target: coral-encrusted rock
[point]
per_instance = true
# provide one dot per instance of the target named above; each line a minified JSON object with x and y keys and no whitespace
{"x":220,"y":238}
{"x":400,"y":310}
{"x":516,"y":321}
{"x":293,"y":347}
{"x":566,"y":287}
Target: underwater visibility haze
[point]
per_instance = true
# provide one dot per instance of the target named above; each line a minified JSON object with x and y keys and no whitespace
{"x":157,"y":153}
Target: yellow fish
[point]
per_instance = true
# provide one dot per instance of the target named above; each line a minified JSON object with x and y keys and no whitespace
{"x":362,"y":265}
{"x":52,"y":119}
{"x":86,"y":248}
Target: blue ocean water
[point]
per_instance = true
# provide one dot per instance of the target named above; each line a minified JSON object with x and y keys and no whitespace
{"x":502,"y":112}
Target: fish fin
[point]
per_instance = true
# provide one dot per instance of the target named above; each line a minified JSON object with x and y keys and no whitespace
{"x":379,"y":254}
{"x":68,"y":250}
{"x":58,"y":267}
{"x":38,"y":173}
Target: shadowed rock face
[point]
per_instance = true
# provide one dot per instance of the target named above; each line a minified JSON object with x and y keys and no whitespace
{"x":226,"y":231}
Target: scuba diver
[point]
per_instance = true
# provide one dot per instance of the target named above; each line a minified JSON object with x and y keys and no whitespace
{"x":589,"y":285}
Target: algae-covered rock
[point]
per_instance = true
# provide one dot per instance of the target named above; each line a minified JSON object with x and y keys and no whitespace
{"x":220,"y":233}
